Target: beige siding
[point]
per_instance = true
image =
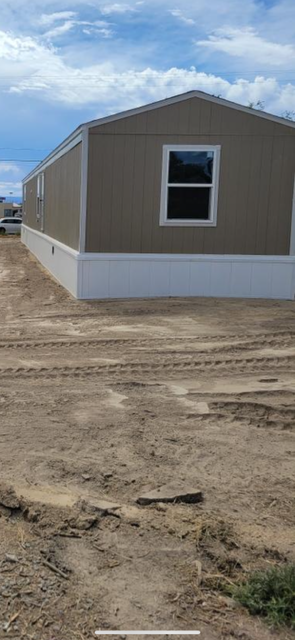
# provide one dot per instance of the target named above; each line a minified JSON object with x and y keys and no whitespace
{"x":62,"y":199}
{"x":255,"y":193}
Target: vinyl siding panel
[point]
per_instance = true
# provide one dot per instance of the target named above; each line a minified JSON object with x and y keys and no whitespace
{"x":61,"y":200}
{"x":257,"y":169}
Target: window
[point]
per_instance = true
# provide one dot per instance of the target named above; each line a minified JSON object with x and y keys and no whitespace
{"x":7,"y":212}
{"x":189,"y":186}
{"x":40,"y":200}
{"x":24,"y":198}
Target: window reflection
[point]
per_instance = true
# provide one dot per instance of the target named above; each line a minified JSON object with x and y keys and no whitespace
{"x":190,"y":167}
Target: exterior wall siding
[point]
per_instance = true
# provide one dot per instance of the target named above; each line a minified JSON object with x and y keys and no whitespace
{"x":61,"y":201}
{"x":257,"y":169}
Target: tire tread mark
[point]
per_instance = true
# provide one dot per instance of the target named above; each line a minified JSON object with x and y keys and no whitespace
{"x":247,"y":364}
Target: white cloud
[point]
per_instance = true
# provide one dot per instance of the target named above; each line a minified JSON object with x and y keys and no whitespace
{"x":8,"y":167}
{"x":93,"y":30}
{"x":7,"y":187}
{"x":48,"y":19}
{"x":248,"y":44}
{"x":31,"y":66}
{"x":177,"y":13}
{"x":108,"y":9}
{"x":10,"y":176}
{"x":89,"y":28}
{"x":59,"y":31}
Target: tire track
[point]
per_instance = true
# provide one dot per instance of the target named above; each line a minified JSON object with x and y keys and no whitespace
{"x":137,"y":368}
{"x":243,"y":341}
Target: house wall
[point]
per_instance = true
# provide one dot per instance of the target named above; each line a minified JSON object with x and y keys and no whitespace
{"x":257,"y":169}
{"x":9,"y":206}
{"x":62,"y":199}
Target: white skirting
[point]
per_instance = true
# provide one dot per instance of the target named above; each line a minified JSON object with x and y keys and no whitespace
{"x":60,"y":260}
{"x":98,"y":276}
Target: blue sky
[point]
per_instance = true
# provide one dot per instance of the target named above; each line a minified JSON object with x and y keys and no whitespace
{"x":65,"y":62}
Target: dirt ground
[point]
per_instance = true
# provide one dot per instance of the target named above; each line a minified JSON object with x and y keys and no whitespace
{"x":103,"y":401}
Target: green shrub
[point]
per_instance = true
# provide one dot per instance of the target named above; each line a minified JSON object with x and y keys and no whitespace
{"x":270,"y":594}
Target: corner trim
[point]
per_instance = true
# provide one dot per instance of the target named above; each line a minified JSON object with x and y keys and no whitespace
{"x":292,"y":235}
{"x":84,"y":181}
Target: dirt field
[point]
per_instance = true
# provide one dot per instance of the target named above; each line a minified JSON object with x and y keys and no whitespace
{"x":103,"y":401}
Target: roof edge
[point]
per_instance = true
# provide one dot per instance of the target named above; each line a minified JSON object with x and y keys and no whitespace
{"x":67,"y":144}
{"x":188,"y":96}
{"x":64,"y":146}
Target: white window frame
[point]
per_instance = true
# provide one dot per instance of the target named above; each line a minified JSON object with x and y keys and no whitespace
{"x":24,"y":199}
{"x":40,"y":199}
{"x":212,"y":220}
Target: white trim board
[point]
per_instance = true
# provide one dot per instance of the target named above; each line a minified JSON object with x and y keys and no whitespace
{"x":99,"y":276}
{"x":183,"y":257}
{"x":83,"y":199}
{"x":51,"y":241}
{"x":292,"y":235}
{"x":213,"y":197}
{"x":57,"y":258}
{"x":117,"y":276}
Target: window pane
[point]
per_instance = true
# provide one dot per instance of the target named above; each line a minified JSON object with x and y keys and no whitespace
{"x":188,"y":203}
{"x":189,"y":167}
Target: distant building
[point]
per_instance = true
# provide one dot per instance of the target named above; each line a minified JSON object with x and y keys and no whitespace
{"x":190,"y":196}
{"x":9,"y":208}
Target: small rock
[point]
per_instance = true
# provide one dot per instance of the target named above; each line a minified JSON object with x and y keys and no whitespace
{"x":99,"y":507}
{"x":171,"y":493}
{"x":32,"y":515}
{"x":84,"y":522}
{"x":107,"y":476}
{"x":86,"y":477}
{"x":8,"y":497}
{"x":161,"y":507}
{"x":9,"y":557}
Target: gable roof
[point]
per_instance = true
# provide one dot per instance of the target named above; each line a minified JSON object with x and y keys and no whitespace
{"x":76,"y":136}
{"x":187,"y":96}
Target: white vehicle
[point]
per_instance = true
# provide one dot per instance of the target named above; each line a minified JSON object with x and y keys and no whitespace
{"x":10,"y":225}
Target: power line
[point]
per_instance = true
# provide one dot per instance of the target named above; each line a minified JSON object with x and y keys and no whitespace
{"x":22,"y":149}
{"x":18,"y":160}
